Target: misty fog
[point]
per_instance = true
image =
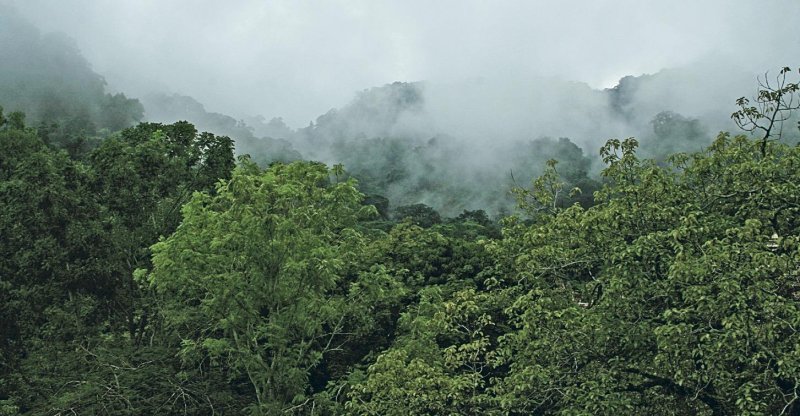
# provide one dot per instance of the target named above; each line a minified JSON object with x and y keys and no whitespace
{"x":453,"y":95}
{"x":352,"y":207}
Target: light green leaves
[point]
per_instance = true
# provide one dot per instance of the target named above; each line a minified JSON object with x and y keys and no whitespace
{"x":248,"y":273}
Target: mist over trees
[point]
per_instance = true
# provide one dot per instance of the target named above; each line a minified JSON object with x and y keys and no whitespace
{"x":402,"y":142}
{"x":428,"y":248}
{"x":47,"y":78}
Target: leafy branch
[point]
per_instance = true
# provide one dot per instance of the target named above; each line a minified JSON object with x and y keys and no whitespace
{"x":772,"y":106}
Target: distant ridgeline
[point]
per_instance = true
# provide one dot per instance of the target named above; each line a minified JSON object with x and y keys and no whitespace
{"x":382,"y":140}
{"x":388,"y":140}
{"x":47,"y":78}
{"x":145,"y":271}
{"x":393,"y":140}
{"x":158,"y":276}
{"x":402,"y":141}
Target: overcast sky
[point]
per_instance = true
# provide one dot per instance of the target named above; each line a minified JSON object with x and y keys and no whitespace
{"x":297,"y":59}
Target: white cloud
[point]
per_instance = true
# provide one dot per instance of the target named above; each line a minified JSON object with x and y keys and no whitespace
{"x":297,"y":59}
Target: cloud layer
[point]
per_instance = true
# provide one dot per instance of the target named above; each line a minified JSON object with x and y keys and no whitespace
{"x":297,"y":59}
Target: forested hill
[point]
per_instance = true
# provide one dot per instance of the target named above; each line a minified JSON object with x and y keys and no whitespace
{"x":452,"y":147}
{"x":463,"y":146}
{"x":46,"y":77}
{"x":437,"y":264}
{"x":157,"y":276}
{"x":401,"y":144}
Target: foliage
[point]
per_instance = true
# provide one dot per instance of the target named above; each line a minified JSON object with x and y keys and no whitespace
{"x":676,"y":294}
{"x":441,"y":364}
{"x":153,"y":276}
{"x":773,"y":105}
{"x":419,"y":214}
{"x":144,"y":175}
{"x":54,"y":242}
{"x":244,"y":280}
{"x":674,"y":133}
{"x":667,"y":296}
{"x":73,"y":233}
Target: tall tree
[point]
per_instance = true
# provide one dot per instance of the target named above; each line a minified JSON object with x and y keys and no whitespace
{"x":52,"y":257}
{"x":144,"y":176}
{"x":245,"y":280}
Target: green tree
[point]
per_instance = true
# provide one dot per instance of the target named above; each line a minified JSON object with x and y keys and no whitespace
{"x":144,"y":176}
{"x":676,"y":294}
{"x":118,"y":112}
{"x":16,"y":120}
{"x":440,"y":364}
{"x":419,"y":214}
{"x":245,"y":279}
{"x":774,"y":104}
{"x":674,"y":133}
{"x":52,"y":262}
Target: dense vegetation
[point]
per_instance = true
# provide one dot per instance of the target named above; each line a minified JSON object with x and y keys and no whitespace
{"x":145,"y":270}
{"x":155,"y":275}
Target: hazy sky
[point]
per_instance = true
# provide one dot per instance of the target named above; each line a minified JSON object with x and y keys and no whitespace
{"x":297,"y":59}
